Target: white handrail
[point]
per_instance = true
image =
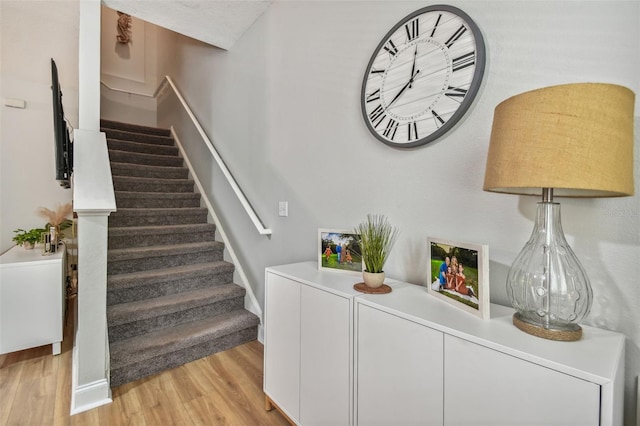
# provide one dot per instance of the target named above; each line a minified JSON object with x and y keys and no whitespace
{"x":130,"y":92}
{"x":248,"y":208}
{"x":223,"y":167}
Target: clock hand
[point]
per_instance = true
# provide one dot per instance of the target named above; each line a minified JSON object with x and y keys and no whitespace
{"x":409,"y":83}
{"x":413,"y":68}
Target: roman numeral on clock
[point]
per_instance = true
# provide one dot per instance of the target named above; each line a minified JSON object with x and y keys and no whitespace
{"x":463,"y":61}
{"x":437,"y":118}
{"x":455,"y":92}
{"x":412,"y":29}
{"x":377,"y":116}
{"x":391,"y":48}
{"x":390,"y":130}
{"x":456,"y":36}
{"x":412,"y":131}
{"x":373,"y":96}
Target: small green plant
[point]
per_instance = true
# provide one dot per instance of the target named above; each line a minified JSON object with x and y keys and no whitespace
{"x":377,"y":237}
{"x":31,"y":236}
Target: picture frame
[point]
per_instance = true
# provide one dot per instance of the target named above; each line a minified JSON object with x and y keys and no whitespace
{"x":344,"y":241}
{"x":468,"y":289}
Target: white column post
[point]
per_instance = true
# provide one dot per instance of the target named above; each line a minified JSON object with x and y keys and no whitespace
{"x":94,"y":200}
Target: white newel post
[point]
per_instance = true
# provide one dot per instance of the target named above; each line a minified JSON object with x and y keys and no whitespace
{"x":93,"y":200}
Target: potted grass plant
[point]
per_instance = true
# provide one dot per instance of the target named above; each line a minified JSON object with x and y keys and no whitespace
{"x":376,"y":237}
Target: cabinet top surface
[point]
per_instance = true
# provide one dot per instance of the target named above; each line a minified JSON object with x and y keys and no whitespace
{"x":337,"y":282}
{"x":17,"y":255}
{"x":594,"y":358}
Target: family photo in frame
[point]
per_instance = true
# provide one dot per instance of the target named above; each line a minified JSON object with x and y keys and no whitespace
{"x":458,"y":275}
{"x":339,"y":250}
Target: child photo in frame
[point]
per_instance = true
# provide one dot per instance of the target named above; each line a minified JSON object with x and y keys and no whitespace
{"x":339,"y":250}
{"x":458,"y":275}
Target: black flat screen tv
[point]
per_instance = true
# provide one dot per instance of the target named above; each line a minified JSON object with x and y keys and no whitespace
{"x":63,"y":142}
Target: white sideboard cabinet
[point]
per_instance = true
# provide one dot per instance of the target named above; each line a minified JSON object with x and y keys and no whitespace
{"x":308,"y":350}
{"x":413,"y":360}
{"x":31,"y":299}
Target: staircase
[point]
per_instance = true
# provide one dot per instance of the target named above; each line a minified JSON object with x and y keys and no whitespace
{"x":170,"y":295}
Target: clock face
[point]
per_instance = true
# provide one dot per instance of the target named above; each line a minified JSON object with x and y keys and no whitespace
{"x":423,"y":76}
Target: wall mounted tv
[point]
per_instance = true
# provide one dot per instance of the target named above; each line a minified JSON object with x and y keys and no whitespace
{"x":61,"y":131}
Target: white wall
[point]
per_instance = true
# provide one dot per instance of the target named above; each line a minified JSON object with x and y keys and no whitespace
{"x":128,"y":67}
{"x":283,"y":108}
{"x":30,"y":34}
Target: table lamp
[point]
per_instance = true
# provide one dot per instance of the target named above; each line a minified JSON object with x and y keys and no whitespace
{"x":572,"y":140}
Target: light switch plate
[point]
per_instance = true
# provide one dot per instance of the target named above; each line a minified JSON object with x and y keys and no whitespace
{"x":283,"y":208}
{"x":15,"y":103}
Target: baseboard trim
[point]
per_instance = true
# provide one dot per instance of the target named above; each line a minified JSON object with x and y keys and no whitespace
{"x":91,"y":395}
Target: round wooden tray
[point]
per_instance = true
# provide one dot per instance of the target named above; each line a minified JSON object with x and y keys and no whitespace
{"x":363,"y":288}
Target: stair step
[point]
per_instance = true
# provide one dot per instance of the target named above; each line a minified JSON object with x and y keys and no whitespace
{"x":158,"y":216}
{"x":133,"y":286}
{"x":142,"y":356}
{"x":142,"y":236}
{"x":120,"y":261}
{"x":143,"y":148}
{"x":131,"y":319}
{"x":139,"y":200}
{"x":140,"y":184}
{"x":141,"y":170}
{"x":136,"y":128}
{"x":118,"y":156}
{"x":144,"y":138}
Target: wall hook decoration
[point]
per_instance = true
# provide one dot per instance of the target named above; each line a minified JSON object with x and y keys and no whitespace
{"x":124,"y":28}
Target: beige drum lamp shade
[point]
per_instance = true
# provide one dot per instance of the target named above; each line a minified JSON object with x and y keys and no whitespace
{"x":574,"y":138}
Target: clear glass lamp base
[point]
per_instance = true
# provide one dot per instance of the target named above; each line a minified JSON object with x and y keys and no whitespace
{"x":547,"y":285}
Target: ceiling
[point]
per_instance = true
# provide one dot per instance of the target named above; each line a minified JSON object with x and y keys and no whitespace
{"x":217,"y":22}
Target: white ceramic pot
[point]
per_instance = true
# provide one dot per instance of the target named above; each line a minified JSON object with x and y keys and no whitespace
{"x":373,"y":280}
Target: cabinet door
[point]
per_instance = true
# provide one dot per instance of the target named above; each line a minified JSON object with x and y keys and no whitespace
{"x":398,"y":370}
{"x":31,"y":304}
{"x":282,"y":343}
{"x":487,"y":387}
{"x":324,"y":358}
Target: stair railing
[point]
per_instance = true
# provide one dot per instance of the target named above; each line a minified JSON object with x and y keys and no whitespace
{"x":248,"y":208}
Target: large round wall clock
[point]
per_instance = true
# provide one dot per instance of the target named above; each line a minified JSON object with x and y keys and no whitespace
{"x":423,"y":76}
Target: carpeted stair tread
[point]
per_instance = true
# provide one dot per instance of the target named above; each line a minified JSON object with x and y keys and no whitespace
{"x":161,"y":230}
{"x":135,"y":128}
{"x":158,"y":251}
{"x":142,"y":147}
{"x":158,"y":276}
{"x":141,"y":184}
{"x":133,"y":286}
{"x":141,"y":348}
{"x":140,"y":236}
{"x":142,"y":170}
{"x":138,"y":200}
{"x":160,"y":211}
{"x":120,"y":156}
{"x":123,"y":313}
{"x":157,"y":216}
{"x":144,"y":138}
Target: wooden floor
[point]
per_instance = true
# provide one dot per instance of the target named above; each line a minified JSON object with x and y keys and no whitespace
{"x":222,"y":389}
